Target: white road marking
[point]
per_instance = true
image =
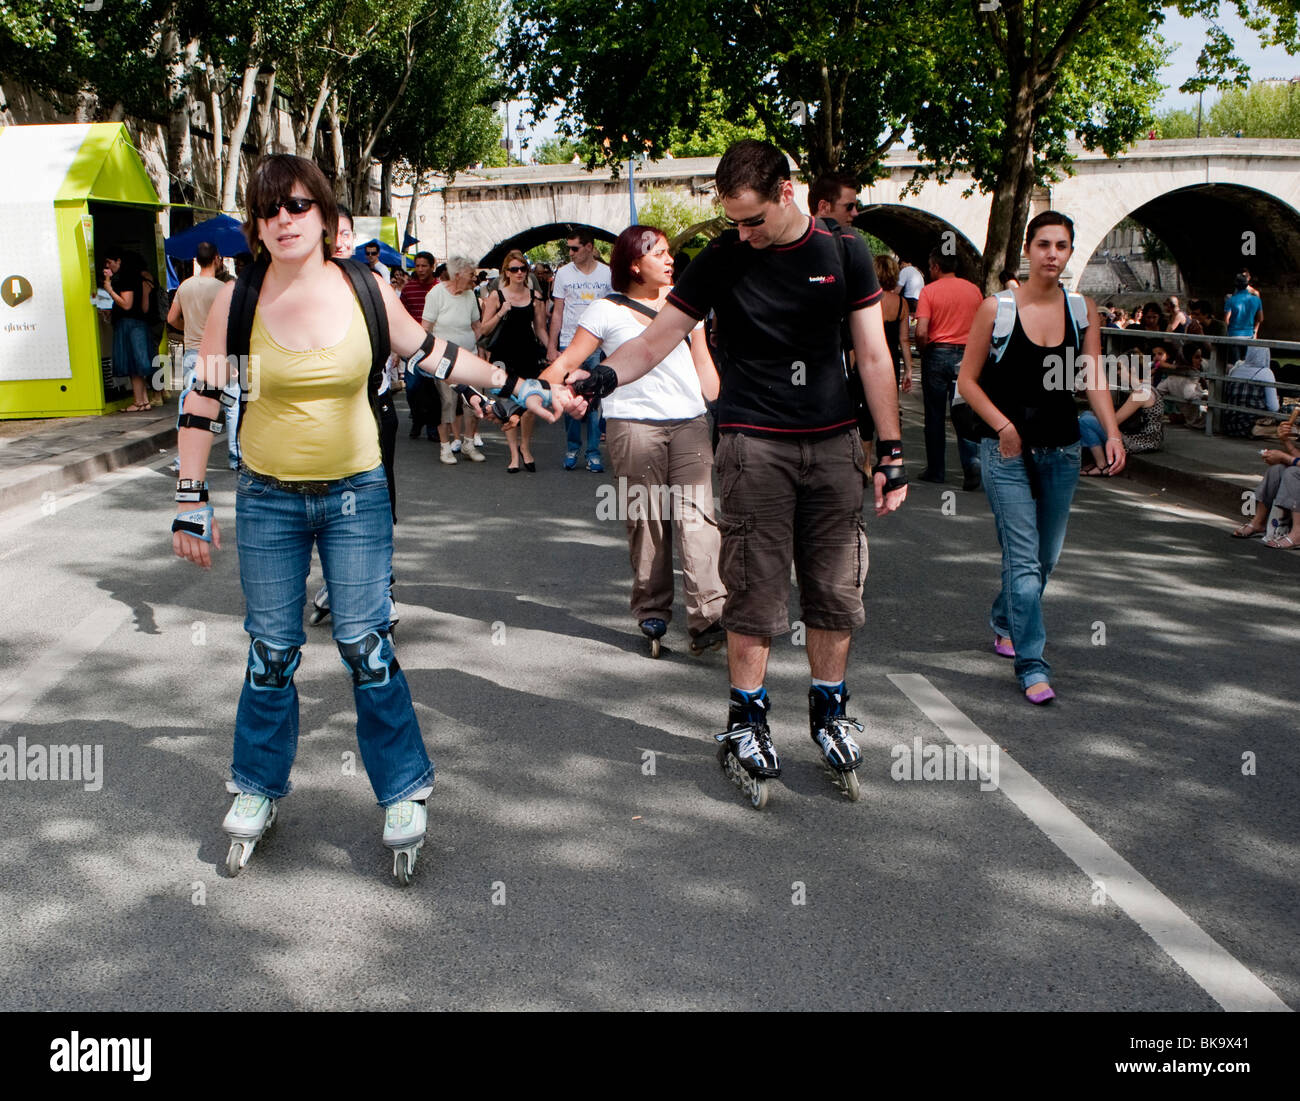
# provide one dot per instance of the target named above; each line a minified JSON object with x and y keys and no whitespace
{"x":1212,"y":967}
{"x":21,"y":515}
{"x":58,"y":661}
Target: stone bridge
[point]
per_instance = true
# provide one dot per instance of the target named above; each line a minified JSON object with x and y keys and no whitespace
{"x":1219,"y":204}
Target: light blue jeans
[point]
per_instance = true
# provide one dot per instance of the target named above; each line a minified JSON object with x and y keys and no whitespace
{"x":1031,"y":533}
{"x":352,"y":525}
{"x":189,"y":363}
{"x":573,"y":427}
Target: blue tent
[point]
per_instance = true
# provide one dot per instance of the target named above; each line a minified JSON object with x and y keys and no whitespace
{"x":388,"y":256}
{"x":223,"y":231}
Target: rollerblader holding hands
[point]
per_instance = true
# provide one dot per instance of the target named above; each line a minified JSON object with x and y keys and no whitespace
{"x":790,"y":460}
{"x":316,"y":333}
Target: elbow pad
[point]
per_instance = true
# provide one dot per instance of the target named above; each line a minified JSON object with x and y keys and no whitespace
{"x":417,"y":361}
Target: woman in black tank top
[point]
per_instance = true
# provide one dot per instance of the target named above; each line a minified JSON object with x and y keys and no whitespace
{"x":895,"y":312}
{"x":1030,"y":456}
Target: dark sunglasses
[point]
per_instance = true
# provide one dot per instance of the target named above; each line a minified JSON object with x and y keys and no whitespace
{"x":574,"y":248}
{"x":293,"y":205}
{"x":372,"y":252}
{"x":749,"y":223}
{"x":516,"y":268}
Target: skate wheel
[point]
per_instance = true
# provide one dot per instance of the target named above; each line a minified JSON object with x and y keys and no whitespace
{"x":234,"y":859}
{"x":402,"y":868}
{"x":655,"y":647}
{"x":758,"y":794}
{"x":849,"y":782}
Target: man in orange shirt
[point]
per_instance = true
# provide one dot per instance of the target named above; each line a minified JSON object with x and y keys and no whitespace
{"x":944,"y":314}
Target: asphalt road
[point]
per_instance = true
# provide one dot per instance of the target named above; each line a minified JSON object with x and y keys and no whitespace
{"x":584,"y":850}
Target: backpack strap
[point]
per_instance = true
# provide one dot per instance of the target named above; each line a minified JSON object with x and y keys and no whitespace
{"x":1003,"y":324}
{"x":239,"y":325}
{"x":632,"y":304}
{"x":376,"y":315}
{"x":1078,"y":316}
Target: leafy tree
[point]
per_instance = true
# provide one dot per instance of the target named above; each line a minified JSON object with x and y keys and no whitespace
{"x":1260,"y":111}
{"x":556,"y":151}
{"x":1176,"y":124}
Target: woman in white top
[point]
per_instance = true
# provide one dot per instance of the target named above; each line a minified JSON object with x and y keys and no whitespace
{"x":451,"y":312}
{"x":659,"y":439}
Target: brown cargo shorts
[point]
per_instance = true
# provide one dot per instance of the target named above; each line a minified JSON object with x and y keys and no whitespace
{"x":784,"y":501}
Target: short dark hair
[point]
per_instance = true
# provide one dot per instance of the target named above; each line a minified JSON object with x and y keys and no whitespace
{"x":1048,"y":218}
{"x":113,"y":252}
{"x":946,"y":262}
{"x":273,"y":178}
{"x":1006,"y":275}
{"x":583,"y":234}
{"x":751,"y":165}
{"x":1201,"y":305}
{"x":632,"y":244}
{"x":427,"y":256}
{"x":205,"y":254}
{"x":827,"y":189}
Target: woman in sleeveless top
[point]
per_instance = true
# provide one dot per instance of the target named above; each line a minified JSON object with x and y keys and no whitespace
{"x":312,"y":476}
{"x":520,"y":313}
{"x":659,"y":441}
{"x":895,"y":312}
{"x":1031,"y":459}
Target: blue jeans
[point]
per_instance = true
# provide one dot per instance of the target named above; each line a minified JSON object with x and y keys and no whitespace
{"x":1090,"y":430}
{"x":131,"y":348}
{"x":573,"y":427}
{"x":939,"y":368}
{"x":352,"y":525}
{"x":1031,"y":533}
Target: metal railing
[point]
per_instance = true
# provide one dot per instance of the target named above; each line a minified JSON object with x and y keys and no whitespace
{"x":1222,"y":350}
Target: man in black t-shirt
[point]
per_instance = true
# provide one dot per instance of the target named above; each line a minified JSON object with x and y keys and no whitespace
{"x":789,"y":459}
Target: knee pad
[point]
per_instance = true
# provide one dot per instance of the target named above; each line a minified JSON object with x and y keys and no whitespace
{"x":371,"y":660}
{"x":271,"y":667}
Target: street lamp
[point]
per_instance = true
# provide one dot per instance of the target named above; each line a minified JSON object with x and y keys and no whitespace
{"x":519,"y":130}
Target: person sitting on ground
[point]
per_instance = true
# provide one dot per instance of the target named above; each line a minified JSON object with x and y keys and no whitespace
{"x":1177,"y":318}
{"x":1183,"y":383}
{"x":1204,"y":320}
{"x":1118,"y":317}
{"x":1151,"y":319}
{"x":1251,"y":384}
{"x":1138,"y":414}
{"x":1281,"y":487}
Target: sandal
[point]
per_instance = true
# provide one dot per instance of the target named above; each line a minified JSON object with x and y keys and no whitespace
{"x":1283,"y":542}
{"x":1095,"y":471}
{"x":1246,"y":532}
{"x":137,"y":408}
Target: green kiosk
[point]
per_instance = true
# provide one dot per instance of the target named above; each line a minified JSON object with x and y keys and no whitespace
{"x":62,"y":188}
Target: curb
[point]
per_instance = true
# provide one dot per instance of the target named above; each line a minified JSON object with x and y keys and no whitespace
{"x":81,"y":466}
{"x":1215,"y":493}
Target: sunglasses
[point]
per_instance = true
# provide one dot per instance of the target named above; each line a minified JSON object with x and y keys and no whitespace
{"x":516,"y":268}
{"x":293,"y":205}
{"x":372,"y":252}
{"x":575,"y":248}
{"x":749,"y":223}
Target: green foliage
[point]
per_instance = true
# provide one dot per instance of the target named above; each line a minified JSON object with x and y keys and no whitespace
{"x":671,"y":213}
{"x":1176,"y":124}
{"x":714,"y":131}
{"x":556,"y":151}
{"x":1260,"y":111}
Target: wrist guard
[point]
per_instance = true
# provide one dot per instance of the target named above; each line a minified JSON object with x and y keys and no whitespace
{"x":601,"y":382}
{"x":442,"y":368}
{"x":501,"y":407}
{"x":198,"y":523}
{"x":889,"y":449}
{"x":895,"y":476}
{"x":530,"y":386}
{"x":191,"y":490}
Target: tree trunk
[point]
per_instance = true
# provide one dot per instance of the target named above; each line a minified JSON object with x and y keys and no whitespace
{"x":218,"y":135}
{"x":180,"y":101}
{"x":386,"y":187}
{"x":247,"y":93}
{"x":1010,"y":205}
{"x":417,"y":182}
{"x":307,"y":139}
{"x":268,"y":138}
{"x":340,"y":154}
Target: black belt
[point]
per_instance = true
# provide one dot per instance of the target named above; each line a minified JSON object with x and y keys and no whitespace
{"x":934,"y":344}
{"x":311,"y":489}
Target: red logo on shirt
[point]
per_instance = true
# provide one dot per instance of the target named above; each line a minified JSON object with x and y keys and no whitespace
{"x":821,"y":279}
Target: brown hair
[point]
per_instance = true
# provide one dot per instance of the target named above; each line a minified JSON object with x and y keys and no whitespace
{"x":513,"y":254}
{"x":886,"y":272}
{"x":274,"y":178}
{"x":632,"y":244}
{"x":751,"y":165}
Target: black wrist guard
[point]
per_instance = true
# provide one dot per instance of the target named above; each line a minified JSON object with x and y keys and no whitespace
{"x":601,"y":382}
{"x":895,"y":476}
{"x":889,"y":449}
{"x":443,"y":367}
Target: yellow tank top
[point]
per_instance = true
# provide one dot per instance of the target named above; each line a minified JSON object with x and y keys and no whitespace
{"x":308,"y":416}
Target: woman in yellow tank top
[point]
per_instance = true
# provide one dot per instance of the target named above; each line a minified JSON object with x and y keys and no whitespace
{"x":311,"y":476}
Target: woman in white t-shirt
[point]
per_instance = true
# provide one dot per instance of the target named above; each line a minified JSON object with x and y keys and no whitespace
{"x":660,"y":441}
{"x":451,"y":312}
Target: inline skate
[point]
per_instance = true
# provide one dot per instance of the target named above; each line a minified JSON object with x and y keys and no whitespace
{"x":745,"y":751}
{"x":654,"y":630}
{"x":404,"y":827}
{"x":249,"y":818}
{"x":829,"y":727}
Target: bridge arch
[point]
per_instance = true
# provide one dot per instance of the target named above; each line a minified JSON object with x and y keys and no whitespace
{"x":525,"y":239}
{"x":1215,"y":229}
{"x":912,"y":233}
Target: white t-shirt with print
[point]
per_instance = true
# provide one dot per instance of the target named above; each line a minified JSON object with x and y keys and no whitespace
{"x":669,"y":392}
{"x":578,"y":291}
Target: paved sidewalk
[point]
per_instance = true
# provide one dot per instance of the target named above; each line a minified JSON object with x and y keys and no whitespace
{"x":40,"y":456}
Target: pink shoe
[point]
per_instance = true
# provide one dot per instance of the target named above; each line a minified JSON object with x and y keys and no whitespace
{"x":1040,"y":694}
{"x":1002,"y":647}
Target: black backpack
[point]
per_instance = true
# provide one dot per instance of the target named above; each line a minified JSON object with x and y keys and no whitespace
{"x":853,"y":380}
{"x":243,"y":305}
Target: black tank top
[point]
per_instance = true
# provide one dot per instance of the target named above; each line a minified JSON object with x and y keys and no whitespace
{"x":1030,"y":387}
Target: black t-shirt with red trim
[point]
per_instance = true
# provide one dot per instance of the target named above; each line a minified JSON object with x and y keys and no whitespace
{"x":779,"y":313}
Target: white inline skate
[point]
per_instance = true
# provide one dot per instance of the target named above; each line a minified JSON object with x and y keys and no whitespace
{"x":404,"y":827}
{"x":249,"y":818}
{"x":830,"y":728}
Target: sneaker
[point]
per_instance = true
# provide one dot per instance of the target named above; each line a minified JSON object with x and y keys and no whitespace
{"x":472,"y":453}
{"x":404,"y":823}
{"x":455,"y":446}
{"x":176,"y":465}
{"x":447,"y":455}
{"x":595,"y":466}
{"x":478,"y":440}
{"x":570,"y":460}
{"x":249,"y":815}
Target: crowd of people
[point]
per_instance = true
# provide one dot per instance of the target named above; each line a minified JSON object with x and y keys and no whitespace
{"x":686,"y":376}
